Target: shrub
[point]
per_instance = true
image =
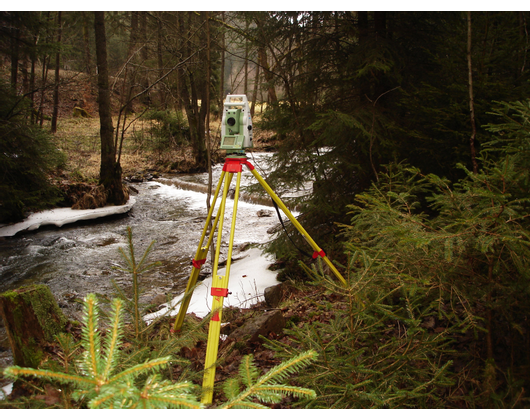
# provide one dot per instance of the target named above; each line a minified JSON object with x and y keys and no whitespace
{"x":435,"y":311}
{"x":168,"y":131}
{"x":27,"y":157}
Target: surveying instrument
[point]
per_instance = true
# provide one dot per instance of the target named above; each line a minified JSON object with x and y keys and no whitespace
{"x":236,"y":136}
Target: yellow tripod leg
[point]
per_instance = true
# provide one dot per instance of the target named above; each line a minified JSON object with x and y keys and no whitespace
{"x":200,"y":258}
{"x":297,"y":224}
{"x":219,"y":292}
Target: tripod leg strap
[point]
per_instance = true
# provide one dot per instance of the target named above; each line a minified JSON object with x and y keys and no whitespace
{"x":320,"y":253}
{"x":219,"y":291}
{"x":198,"y":263}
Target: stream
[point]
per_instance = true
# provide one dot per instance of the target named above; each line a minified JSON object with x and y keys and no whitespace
{"x":81,"y":258}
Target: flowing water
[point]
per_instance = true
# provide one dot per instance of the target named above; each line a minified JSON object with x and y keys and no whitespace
{"x":81,"y":258}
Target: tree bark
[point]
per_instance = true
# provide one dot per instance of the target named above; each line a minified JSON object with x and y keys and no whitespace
{"x":255,"y":94}
{"x":55,"y":114}
{"x":262,"y":54}
{"x":222,"y":82}
{"x":144,"y":79}
{"x":15,"y":33}
{"x":86,"y":43}
{"x":471,"y":99}
{"x":130,"y":72}
{"x":32,"y":318}
{"x":161,"y":87}
{"x":110,"y":170}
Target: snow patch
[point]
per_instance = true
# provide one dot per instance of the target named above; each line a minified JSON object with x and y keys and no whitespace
{"x":62,"y":216}
{"x":7,"y":390}
{"x":249,"y":277}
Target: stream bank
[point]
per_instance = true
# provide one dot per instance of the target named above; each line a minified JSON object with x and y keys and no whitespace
{"x":76,"y":259}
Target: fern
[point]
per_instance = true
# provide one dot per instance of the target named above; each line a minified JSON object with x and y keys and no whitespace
{"x":268,"y":388}
{"x":99,"y":382}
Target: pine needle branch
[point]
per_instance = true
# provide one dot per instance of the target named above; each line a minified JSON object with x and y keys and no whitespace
{"x":267,"y":388}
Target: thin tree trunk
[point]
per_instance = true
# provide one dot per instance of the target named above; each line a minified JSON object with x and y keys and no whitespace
{"x":55,"y":114}
{"x":144,"y":79}
{"x":15,"y":32}
{"x":86,"y":42}
{"x":32,"y":81}
{"x":255,"y":94}
{"x":471,"y":99}
{"x":262,"y":54}
{"x":161,"y":92}
{"x":130,"y":74}
{"x":44,"y":78}
{"x":222,"y":84}
{"x":245,"y":88}
{"x":208,"y":139}
{"x":208,"y":144}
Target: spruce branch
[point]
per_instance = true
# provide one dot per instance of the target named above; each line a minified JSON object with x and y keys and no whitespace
{"x":99,"y":381}
{"x":268,"y":388}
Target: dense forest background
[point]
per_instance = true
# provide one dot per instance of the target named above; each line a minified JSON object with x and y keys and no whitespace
{"x":375,"y":87}
{"x":412,"y":126}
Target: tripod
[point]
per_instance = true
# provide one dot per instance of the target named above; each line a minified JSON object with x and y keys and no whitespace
{"x":233,"y":165}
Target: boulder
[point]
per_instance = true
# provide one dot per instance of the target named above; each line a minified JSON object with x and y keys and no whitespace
{"x":268,"y":322}
{"x":80,"y":113}
{"x":273,"y":295}
{"x":264,"y":213}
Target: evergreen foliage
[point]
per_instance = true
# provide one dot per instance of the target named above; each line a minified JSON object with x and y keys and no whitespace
{"x":135,"y":269}
{"x":102,"y":380}
{"x":27,"y":158}
{"x":427,"y":289}
{"x":169,"y":130}
{"x":361,"y":90}
{"x":98,"y":380}
{"x":269,"y":387}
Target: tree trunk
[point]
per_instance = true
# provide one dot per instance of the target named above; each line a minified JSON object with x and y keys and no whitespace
{"x":471,"y":98}
{"x":15,"y":33}
{"x":222,"y":81}
{"x":161,"y":87}
{"x":110,"y":170}
{"x":44,"y":77}
{"x":144,"y":79}
{"x":255,"y":95}
{"x":55,"y":114}
{"x":86,"y":43}
{"x":262,"y":54}
{"x":32,"y":318}
{"x":130,"y":72}
{"x":245,"y":80}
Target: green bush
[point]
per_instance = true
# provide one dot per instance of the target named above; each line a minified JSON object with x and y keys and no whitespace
{"x":435,"y":313}
{"x":168,"y":131}
{"x":27,"y":157}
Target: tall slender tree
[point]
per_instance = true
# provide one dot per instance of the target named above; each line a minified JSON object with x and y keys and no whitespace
{"x":55,"y":114}
{"x":471,"y":98}
{"x":110,"y":170}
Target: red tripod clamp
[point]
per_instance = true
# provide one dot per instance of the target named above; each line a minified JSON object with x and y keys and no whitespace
{"x":234,"y":165}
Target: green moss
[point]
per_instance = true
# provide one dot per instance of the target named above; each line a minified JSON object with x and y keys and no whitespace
{"x":44,"y":305}
{"x":27,"y":349}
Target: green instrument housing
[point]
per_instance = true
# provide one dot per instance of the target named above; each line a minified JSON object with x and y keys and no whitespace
{"x":236,"y":124}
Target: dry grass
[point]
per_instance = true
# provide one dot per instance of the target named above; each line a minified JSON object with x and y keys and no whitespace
{"x":79,"y":139}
